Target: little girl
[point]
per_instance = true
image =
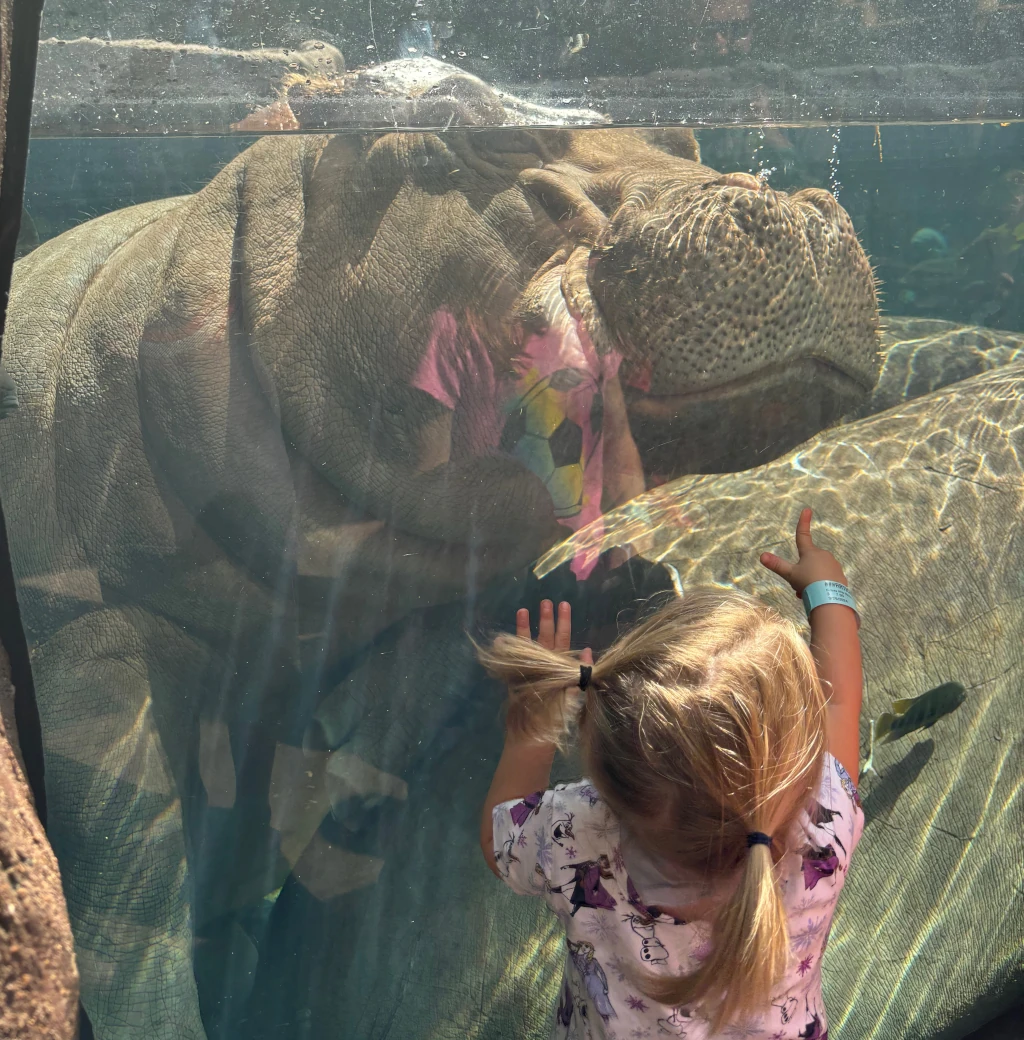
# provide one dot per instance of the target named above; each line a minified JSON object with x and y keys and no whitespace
{"x":696,"y":869}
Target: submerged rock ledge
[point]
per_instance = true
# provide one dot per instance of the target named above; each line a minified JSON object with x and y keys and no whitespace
{"x":88,"y":86}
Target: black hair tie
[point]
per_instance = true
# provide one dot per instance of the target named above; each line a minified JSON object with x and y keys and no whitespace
{"x":585,"y":672}
{"x":758,"y":838}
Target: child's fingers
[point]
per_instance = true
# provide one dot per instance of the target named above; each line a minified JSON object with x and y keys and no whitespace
{"x":523,"y":623}
{"x":546,"y":627}
{"x":586,"y":656}
{"x":783,"y":568}
{"x":563,"y":631}
{"x":803,"y":532}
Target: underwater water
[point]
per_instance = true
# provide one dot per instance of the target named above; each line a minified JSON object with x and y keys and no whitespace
{"x":284,"y":441}
{"x":938,"y":208}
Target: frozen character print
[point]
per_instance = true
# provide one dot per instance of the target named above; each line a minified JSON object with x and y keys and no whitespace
{"x":814,"y":1030}
{"x":587,"y":888}
{"x":652,"y":949}
{"x":824,"y":819}
{"x":566,"y":1006}
{"x":508,"y":856}
{"x":847,"y":784}
{"x":523,"y":810}
{"x":563,"y":830}
{"x":593,"y":976}
{"x":786,"y":1009}
{"x":676,"y":1023}
{"x":652,"y":913}
{"x":819,"y":864}
{"x":589,"y":794}
{"x":642,"y":920}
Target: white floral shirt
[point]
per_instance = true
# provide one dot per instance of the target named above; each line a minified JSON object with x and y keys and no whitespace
{"x":564,"y":846}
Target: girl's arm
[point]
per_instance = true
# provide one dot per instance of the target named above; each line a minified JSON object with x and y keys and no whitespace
{"x":834,"y":643}
{"x":525,"y":766}
{"x":836,"y":648}
{"x":523,"y":769}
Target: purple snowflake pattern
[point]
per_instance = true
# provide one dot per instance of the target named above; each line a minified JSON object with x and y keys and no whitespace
{"x":640,"y":1034}
{"x":522,"y":841}
{"x":807,"y":903}
{"x":606,"y":828}
{"x":807,"y":937}
{"x":545,"y":847}
{"x":570,"y":852}
{"x":601,"y":927}
{"x":636,"y":1003}
{"x":805,"y":965}
{"x":619,"y":967}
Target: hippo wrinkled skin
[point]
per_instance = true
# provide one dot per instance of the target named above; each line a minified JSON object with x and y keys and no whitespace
{"x":213,"y":483}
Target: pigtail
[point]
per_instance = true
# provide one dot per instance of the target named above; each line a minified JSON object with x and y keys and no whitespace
{"x":749,"y":950}
{"x":543,"y":686}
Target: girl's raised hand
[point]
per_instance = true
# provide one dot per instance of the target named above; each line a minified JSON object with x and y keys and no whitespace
{"x":551,"y":634}
{"x":813,"y":563}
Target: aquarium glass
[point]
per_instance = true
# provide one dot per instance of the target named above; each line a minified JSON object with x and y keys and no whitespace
{"x":339,"y":333}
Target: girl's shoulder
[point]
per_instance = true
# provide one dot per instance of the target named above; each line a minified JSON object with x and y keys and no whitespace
{"x":835,"y":819}
{"x":580,"y":807}
{"x":581,"y":799}
{"x":835,"y":773}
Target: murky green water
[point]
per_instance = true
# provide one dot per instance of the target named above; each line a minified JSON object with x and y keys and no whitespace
{"x":275,"y":455}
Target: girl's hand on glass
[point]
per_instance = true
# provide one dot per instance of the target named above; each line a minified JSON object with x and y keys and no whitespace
{"x":813,"y":564}
{"x":552,"y":634}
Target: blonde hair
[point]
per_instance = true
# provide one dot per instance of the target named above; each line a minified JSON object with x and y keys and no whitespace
{"x":702,"y":724}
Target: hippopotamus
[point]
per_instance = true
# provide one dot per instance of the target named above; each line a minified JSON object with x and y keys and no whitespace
{"x":223,"y":483}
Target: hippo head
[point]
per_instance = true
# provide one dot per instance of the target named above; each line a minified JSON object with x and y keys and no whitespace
{"x":747,"y":318}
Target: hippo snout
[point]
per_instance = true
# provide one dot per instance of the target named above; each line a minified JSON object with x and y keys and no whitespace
{"x":710,"y":286}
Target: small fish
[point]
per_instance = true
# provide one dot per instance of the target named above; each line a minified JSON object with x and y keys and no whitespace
{"x":577,"y":43}
{"x":776,"y":138}
{"x":934,"y":241}
{"x":912,"y":714}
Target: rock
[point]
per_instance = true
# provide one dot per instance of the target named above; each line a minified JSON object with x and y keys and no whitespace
{"x":38,"y":976}
{"x":88,"y":86}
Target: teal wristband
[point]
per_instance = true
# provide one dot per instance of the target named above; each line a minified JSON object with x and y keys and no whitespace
{"x":818,"y":593}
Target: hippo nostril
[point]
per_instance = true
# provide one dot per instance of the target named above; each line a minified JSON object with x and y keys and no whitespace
{"x":741,"y":180}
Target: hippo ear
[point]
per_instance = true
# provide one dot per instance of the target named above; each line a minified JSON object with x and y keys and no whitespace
{"x":566,"y":203}
{"x":676,"y":140}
